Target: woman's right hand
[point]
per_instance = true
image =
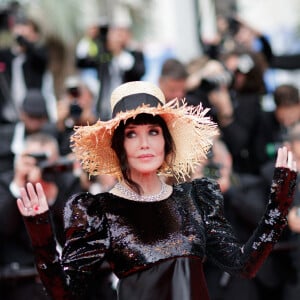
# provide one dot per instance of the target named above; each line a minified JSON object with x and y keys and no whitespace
{"x":32,"y":201}
{"x":285,"y":159}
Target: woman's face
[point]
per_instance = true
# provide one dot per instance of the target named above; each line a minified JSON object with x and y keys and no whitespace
{"x":145,"y":148}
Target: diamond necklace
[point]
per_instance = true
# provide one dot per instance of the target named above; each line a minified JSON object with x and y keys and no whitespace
{"x":130,"y":194}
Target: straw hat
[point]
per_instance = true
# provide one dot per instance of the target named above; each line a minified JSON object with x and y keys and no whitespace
{"x":191,"y":130}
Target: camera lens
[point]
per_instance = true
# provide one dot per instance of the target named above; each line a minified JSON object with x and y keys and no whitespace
{"x":75,"y":111}
{"x":74,"y":91}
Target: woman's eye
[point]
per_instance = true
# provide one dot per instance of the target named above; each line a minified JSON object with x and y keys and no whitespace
{"x":130,"y":134}
{"x":154,"y":132}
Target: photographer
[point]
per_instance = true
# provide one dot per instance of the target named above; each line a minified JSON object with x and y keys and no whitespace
{"x":33,"y":118}
{"x":209,"y":82}
{"x":91,"y":49}
{"x":25,"y":66}
{"x":76,"y":107}
{"x":172,"y":79}
{"x":275,"y":124}
{"x":38,"y":162}
{"x":126,"y":60}
{"x":233,"y":93}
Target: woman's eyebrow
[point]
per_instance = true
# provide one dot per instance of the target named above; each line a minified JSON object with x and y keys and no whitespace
{"x":132,"y":126}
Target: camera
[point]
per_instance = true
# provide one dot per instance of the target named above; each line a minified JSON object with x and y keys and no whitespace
{"x":233,"y":25}
{"x":50,"y":170}
{"x":22,"y":41}
{"x":212,"y":83}
{"x":75,"y":110}
{"x":39,"y":157}
{"x":73,"y":89}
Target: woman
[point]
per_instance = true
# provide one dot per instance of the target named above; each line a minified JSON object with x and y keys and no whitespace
{"x":155,"y":236}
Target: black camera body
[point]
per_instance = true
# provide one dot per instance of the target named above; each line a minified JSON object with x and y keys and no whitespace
{"x":213,"y":83}
{"x":233,"y":25}
{"x":50,"y":170}
{"x":22,"y":41}
{"x":40,"y":157}
{"x":73,"y":89}
{"x":75,"y":110}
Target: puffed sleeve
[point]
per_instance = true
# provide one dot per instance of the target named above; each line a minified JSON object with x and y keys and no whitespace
{"x":222,"y":246}
{"x":87,"y":239}
{"x":47,"y":258}
{"x":67,"y":276}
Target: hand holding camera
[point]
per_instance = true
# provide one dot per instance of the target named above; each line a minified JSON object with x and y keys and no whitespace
{"x":22,"y":41}
{"x":26,"y":168}
{"x":49,"y":169}
{"x":35,"y":167}
{"x":20,"y":33}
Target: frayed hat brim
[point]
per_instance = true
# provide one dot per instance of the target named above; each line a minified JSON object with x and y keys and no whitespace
{"x":190,"y":127}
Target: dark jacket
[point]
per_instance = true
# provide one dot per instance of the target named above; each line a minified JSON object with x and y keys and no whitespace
{"x":34,"y":67}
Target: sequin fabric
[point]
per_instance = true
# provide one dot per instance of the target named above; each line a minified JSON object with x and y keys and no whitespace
{"x":134,"y":236}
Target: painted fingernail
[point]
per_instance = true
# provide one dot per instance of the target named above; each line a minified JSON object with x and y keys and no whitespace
{"x":36,"y":207}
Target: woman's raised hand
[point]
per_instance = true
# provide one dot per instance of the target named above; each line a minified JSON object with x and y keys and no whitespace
{"x":285,"y":159}
{"x":33,"y":200}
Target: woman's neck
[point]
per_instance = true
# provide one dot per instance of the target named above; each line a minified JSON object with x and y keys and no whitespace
{"x":150,"y":184}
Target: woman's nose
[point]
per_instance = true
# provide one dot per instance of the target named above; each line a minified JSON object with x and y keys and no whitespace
{"x":144,"y":143}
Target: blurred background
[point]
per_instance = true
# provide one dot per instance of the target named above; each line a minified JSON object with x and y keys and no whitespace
{"x":60,"y":61}
{"x":162,"y":28}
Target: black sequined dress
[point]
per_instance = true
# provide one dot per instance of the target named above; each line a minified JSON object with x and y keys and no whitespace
{"x":155,"y":248}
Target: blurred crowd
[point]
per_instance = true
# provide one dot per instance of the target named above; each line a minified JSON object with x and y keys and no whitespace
{"x":36,"y":124}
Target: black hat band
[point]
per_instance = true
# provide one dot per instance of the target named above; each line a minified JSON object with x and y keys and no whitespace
{"x":133,"y":101}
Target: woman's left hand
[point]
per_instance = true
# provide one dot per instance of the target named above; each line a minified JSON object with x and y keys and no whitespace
{"x":285,"y":159}
{"x":32,"y":201}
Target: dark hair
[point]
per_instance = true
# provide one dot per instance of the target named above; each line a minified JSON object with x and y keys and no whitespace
{"x":173,"y":68}
{"x":117,"y":143}
{"x":23,"y":20}
{"x":286,"y":95}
